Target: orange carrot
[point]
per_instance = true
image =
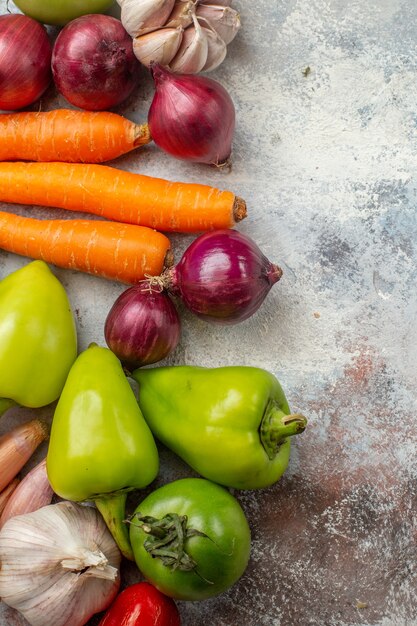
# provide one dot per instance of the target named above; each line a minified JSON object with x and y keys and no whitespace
{"x":120,"y":252}
{"x":66,"y":135}
{"x":121,"y":196}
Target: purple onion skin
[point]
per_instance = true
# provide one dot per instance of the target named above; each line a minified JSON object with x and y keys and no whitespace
{"x":191,"y":117}
{"x":223,"y":277}
{"x":93,"y":63}
{"x":143,"y":326}
{"x":25,"y":61}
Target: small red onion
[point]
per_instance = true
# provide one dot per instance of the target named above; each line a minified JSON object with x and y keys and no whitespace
{"x":143,"y":325}
{"x":191,"y":117}
{"x":222,"y":277}
{"x":93,"y":63}
{"x":25,"y":61}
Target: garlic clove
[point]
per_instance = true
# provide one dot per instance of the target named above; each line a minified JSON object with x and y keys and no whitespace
{"x":17,"y":446}
{"x":32,"y":494}
{"x":160,"y":46}
{"x":224,"y":20}
{"x":144,"y":16}
{"x":192,"y":53}
{"x":182,"y":14}
{"x":59,"y":565}
{"x":216,"y":52}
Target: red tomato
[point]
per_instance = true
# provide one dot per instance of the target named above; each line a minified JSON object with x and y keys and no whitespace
{"x":142,"y":605}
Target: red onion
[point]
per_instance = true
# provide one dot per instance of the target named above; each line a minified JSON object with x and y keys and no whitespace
{"x":143,"y":325}
{"x":25,"y":61}
{"x":93,"y":62}
{"x":222,"y":277}
{"x":191,"y":117}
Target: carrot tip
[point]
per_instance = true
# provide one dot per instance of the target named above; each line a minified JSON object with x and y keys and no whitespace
{"x":239,"y":209}
{"x":169,"y":259}
{"x":142,"y":135}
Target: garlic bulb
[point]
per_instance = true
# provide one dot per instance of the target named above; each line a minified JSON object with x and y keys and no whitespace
{"x":59,"y":565}
{"x":188,"y":36}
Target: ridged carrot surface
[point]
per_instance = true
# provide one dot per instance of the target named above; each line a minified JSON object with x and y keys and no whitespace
{"x":121,"y":196}
{"x":66,"y":135}
{"x":112,"y":250}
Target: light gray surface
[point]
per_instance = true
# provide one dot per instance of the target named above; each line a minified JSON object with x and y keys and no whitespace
{"x":327,"y":162}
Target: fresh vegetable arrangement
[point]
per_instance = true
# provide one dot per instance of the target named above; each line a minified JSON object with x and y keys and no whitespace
{"x":190,"y":539}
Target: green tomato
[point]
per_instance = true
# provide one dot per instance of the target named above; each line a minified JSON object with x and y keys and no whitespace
{"x":38,"y":339}
{"x":190,"y":539}
{"x":60,"y":12}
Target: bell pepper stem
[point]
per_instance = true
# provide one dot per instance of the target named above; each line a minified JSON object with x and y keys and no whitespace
{"x":112,"y":508}
{"x":277,"y":426}
{"x":5,"y":404}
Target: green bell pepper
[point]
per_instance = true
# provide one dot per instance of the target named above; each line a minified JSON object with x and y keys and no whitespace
{"x":100,"y":446}
{"x":38,"y":340}
{"x":230,"y":424}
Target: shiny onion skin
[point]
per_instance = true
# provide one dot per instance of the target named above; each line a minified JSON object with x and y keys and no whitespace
{"x":222,"y":277}
{"x":93,"y":64}
{"x":25,"y":61}
{"x":191,"y":117}
{"x":143,"y":325}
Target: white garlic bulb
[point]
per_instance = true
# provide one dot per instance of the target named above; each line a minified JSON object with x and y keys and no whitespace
{"x":199,"y":32}
{"x":59,"y":565}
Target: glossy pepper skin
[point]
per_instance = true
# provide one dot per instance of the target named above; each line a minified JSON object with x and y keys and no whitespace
{"x":142,"y":605}
{"x":38,"y":340}
{"x":100,"y":446}
{"x":230,"y":424}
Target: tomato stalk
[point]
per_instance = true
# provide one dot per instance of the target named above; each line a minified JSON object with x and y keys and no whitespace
{"x":277,"y":426}
{"x":166,"y":539}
